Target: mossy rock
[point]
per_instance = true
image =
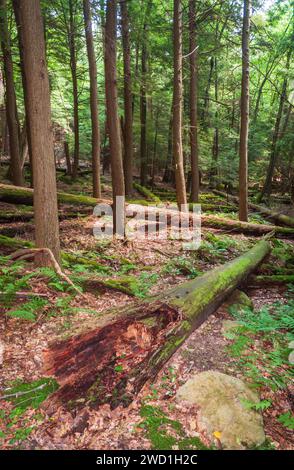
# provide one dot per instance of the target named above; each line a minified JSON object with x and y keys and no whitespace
{"x":238,"y":301}
{"x":223,"y":412}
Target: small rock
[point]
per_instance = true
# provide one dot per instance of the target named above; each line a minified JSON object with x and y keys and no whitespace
{"x":219,"y":397}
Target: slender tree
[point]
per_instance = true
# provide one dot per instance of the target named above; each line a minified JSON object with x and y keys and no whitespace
{"x":27,"y":124}
{"x":128,"y":101}
{"x":73,"y":68}
{"x":15,"y":171}
{"x":177,"y":106}
{"x":41,"y":136}
{"x":266,"y":191}
{"x":93,"y":99}
{"x":243,"y":151}
{"x":113,"y":123}
{"x":193,"y":103}
{"x":143,"y":101}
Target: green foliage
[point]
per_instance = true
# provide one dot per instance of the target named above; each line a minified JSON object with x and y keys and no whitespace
{"x":12,"y":280}
{"x":260,"y":343}
{"x":30,"y":395}
{"x":260,"y":406}
{"x":165,"y":433}
{"x":287,"y":420}
{"x":28,"y":310}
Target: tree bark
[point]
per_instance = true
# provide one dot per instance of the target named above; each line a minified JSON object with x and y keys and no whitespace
{"x":93,"y":99}
{"x":243,"y":151}
{"x":67,"y":158}
{"x":73,"y":67}
{"x":15,"y":171}
{"x":193,"y":104}
{"x":177,"y":106}
{"x":91,"y":366}
{"x":143,"y":106}
{"x":23,"y":78}
{"x":113,"y":123}
{"x":41,"y":136}
{"x":128,"y":102}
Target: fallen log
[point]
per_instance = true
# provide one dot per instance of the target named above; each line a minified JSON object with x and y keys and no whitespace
{"x":147,"y":193}
{"x":275,"y":216}
{"x":20,"y":195}
{"x":111,"y":363}
{"x":212,"y":221}
{"x":283,"y":279}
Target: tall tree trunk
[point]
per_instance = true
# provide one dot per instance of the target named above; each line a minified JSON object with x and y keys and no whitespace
{"x":143,"y":109}
{"x":67,"y":158}
{"x":193,"y":104}
{"x":73,"y":67}
{"x":266,"y":191}
{"x":177,"y":105}
{"x":20,"y":46}
{"x":206,"y":95}
{"x":243,"y":152}
{"x":113,"y":123}
{"x":39,"y":114}
{"x":215,"y":147}
{"x":93,"y":100}
{"x":15,"y":171}
{"x":128,"y":102}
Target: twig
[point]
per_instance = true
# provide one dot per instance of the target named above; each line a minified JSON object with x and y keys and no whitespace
{"x":25,"y":392}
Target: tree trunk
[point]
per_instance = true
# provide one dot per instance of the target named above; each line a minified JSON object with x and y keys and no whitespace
{"x":91,"y":366}
{"x":15,"y":171}
{"x":143,"y":110}
{"x":193,"y":104}
{"x":39,"y":115}
{"x":67,"y":158}
{"x":206,"y":95}
{"x":266,"y":191}
{"x":128,"y":102}
{"x":93,"y":99}
{"x":243,"y":152}
{"x":73,"y":67}
{"x":113,"y":124}
{"x":177,"y":106}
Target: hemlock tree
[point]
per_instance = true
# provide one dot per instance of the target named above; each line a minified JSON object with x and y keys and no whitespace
{"x":15,"y":170}
{"x":243,"y":152}
{"x":41,"y":136}
{"x":93,"y":100}
{"x":128,"y":101}
{"x":177,"y":106}
{"x":193,"y":103}
{"x":113,"y":123}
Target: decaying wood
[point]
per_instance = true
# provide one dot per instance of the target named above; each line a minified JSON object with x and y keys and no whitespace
{"x":111,"y":364}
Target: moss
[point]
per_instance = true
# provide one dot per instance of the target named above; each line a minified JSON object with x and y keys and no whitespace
{"x":15,"y":242}
{"x":147,"y":193}
{"x":192,"y":297}
{"x":165,"y":433}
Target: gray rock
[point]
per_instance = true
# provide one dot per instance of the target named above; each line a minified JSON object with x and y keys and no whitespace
{"x":222,"y":413}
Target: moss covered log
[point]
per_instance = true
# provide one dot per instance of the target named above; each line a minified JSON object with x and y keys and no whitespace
{"x":230,"y":225}
{"x":19,"y":195}
{"x":110,"y":364}
{"x":147,"y":193}
{"x":275,"y":216}
{"x":283,"y":279}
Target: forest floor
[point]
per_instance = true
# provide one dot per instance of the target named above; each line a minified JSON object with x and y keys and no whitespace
{"x":38,"y":308}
